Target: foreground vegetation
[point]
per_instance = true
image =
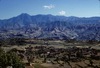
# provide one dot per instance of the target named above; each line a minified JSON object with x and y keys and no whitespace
{"x":10,"y":59}
{"x":49,"y":54}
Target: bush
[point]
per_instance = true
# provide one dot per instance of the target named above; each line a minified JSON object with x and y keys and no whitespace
{"x":10,"y":59}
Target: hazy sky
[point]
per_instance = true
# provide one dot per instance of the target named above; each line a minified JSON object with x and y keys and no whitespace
{"x":80,"y":8}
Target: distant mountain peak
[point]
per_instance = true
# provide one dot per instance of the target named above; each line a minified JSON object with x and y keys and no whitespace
{"x":50,"y":26}
{"x":24,"y":14}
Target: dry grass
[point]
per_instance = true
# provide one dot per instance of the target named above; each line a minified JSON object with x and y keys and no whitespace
{"x":57,"y":44}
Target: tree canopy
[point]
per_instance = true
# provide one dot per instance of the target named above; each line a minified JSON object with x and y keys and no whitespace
{"x":10,"y":59}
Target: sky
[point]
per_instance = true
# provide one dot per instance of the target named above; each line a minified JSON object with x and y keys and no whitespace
{"x":79,"y":8}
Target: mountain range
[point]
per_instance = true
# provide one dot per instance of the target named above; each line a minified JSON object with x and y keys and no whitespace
{"x":51,"y":27}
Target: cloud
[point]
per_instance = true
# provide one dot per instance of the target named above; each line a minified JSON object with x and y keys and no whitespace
{"x":62,"y":12}
{"x":49,"y":6}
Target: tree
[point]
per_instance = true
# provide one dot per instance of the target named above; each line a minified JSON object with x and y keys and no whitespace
{"x":10,"y":59}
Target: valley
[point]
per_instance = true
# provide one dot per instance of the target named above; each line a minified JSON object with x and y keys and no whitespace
{"x":51,"y":53}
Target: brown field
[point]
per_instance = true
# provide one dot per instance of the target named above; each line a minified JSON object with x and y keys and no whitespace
{"x":59,"y":47}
